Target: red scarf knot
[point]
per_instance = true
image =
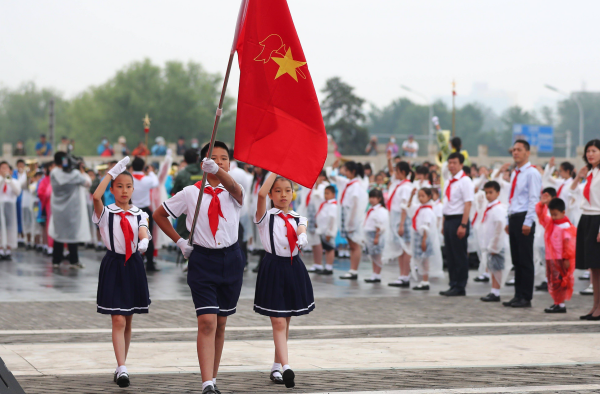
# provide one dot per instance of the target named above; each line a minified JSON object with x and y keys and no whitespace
{"x":214,"y":209}
{"x":128,"y":233}
{"x":291,"y":234}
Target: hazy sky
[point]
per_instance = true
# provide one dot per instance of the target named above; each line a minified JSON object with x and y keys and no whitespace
{"x":514,"y":47}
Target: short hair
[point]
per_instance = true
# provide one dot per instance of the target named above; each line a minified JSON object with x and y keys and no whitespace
{"x":457,"y":155}
{"x":218,"y":144}
{"x":550,"y":190}
{"x":492,"y":185}
{"x":20,"y":161}
{"x":4,"y":162}
{"x":331,"y":189}
{"x":467,"y":170}
{"x":557,"y":204}
{"x":190,"y":156}
{"x":422,"y":170}
{"x":427,"y":191}
{"x":138,"y":164}
{"x":377,"y":193}
{"x":42,"y":135}
{"x":435,"y":190}
{"x":456,"y":143}
{"x":58,"y":158}
{"x":525,"y":144}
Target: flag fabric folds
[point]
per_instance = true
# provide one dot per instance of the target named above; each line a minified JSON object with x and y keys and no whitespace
{"x":279,"y":122}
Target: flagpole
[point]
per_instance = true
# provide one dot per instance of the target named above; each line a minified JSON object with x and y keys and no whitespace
{"x":240,"y":21}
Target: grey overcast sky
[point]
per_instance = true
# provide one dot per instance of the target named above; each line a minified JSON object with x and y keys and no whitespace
{"x":500,"y":52}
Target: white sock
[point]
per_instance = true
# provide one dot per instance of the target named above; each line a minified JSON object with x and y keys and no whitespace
{"x":8,"y":252}
{"x":214,"y":381}
{"x":276,"y":367}
{"x":286,"y":367}
{"x":329,"y":267}
{"x":121,"y":369}
{"x":424,"y":283}
{"x":353,"y":271}
{"x":496,"y":292}
{"x":1,"y":252}
{"x":485,"y":274}
{"x":375,"y":276}
{"x":49,"y":250}
{"x":562,"y":304}
{"x":317,"y":266}
{"x":207,"y":383}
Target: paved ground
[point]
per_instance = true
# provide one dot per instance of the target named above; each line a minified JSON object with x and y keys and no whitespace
{"x":42,"y":309}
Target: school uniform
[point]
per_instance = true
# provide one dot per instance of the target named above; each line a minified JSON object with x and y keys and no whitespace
{"x":216,"y":265}
{"x":377,"y":218}
{"x":10,"y":189}
{"x":494,"y":239}
{"x":428,"y":262}
{"x":312,"y":201}
{"x":326,"y":219}
{"x":587,"y":247}
{"x":122,"y":283}
{"x":353,"y":201}
{"x":283,"y":287}
{"x":398,"y":201}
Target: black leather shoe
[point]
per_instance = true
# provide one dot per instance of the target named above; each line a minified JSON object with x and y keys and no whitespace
{"x":371,"y":280}
{"x":288,"y":378}
{"x":325,"y":272}
{"x":542,"y":286}
{"x":521,"y":304}
{"x":445,"y":292}
{"x":123,"y":380}
{"x":276,"y":379}
{"x":509,"y":303}
{"x":594,"y":318}
{"x":456,"y":292}
{"x":349,"y":276}
{"x":556,"y":309}
{"x":483,"y":279}
{"x":209,"y":390}
{"x":585,"y":317}
{"x":401,"y":283}
{"x":217,"y":391}
{"x":490,"y":298}
{"x":421,"y":286}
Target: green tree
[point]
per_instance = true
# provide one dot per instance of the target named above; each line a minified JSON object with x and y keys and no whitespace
{"x":569,"y":117}
{"x":344,"y":117}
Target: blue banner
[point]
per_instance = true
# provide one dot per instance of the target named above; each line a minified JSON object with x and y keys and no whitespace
{"x":541,"y":137}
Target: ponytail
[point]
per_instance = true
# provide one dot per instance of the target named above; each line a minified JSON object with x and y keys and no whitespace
{"x":356,"y":168}
{"x":404,"y":167}
{"x":570,"y":168}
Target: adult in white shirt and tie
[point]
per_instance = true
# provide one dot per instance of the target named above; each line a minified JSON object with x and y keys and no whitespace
{"x":458,"y":198}
{"x":525,"y":190}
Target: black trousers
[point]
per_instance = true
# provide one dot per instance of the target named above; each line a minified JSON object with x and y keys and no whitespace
{"x":57,"y":253}
{"x":456,"y":252}
{"x":521,"y":251}
{"x":150,"y":252}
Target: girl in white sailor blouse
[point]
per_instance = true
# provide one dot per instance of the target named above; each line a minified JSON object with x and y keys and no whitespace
{"x":122,"y":285}
{"x":283,"y":287}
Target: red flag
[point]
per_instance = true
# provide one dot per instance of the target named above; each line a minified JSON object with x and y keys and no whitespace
{"x":279,"y":122}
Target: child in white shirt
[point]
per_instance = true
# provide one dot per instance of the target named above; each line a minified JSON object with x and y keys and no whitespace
{"x":376,"y":222}
{"x":9,"y":231}
{"x":326,"y":222}
{"x":427,"y":255}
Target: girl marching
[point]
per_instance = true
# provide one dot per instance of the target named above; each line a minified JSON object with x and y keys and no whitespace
{"x":283,"y":287}
{"x":122,"y":286}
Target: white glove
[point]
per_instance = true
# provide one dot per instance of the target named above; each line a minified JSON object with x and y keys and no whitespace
{"x":435,"y":120}
{"x":169,"y":153}
{"x":209,"y":165}
{"x":302,"y":241}
{"x":143,"y":245}
{"x":119,"y":167}
{"x":185,"y":248}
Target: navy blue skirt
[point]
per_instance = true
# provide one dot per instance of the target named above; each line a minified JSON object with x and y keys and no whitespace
{"x":122,"y":288}
{"x":283,"y":289}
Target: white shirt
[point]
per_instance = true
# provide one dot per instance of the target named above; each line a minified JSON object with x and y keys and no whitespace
{"x":402,"y":195}
{"x":437,"y":208}
{"x":564,"y":185}
{"x":412,"y":145}
{"x":280,"y":239}
{"x":377,"y":219}
{"x":492,"y":228}
{"x":461,"y":192}
{"x":13,"y":189}
{"x":141,"y":188}
{"x":326,"y":219}
{"x":185,"y":201}
{"x":426,"y":220}
{"x":527,"y":192}
{"x":118,"y":237}
{"x":593,"y":206}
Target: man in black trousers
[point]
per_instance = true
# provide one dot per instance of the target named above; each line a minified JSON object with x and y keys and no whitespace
{"x":458,"y":197}
{"x":525,"y":190}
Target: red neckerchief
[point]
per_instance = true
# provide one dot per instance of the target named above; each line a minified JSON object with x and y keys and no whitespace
{"x":560,"y":189}
{"x":448,"y":192}
{"x":308,"y":197}
{"x":487,"y":209}
{"x":214,"y":209}
{"x":414,"y":220}
{"x":552,"y":223}
{"x":127,"y":232}
{"x":291,"y":234}
{"x":346,"y":188}
{"x":257,"y":185}
{"x":586,"y":189}
{"x":371,"y":210}
{"x":389,"y":204}
{"x":5,"y":187}
{"x":138,"y":176}
{"x":333,"y":202}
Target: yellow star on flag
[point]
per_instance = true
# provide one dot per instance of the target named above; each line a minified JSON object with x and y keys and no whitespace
{"x":287,"y":65}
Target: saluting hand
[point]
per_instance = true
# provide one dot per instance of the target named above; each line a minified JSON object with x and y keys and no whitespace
{"x":119,"y":167}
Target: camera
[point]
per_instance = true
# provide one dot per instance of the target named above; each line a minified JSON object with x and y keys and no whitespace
{"x":70,"y":162}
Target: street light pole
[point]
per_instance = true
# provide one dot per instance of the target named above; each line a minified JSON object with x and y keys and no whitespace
{"x":579,"y":106}
{"x":429,"y":123}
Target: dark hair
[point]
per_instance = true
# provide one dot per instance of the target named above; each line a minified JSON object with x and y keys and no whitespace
{"x":58,"y":158}
{"x":4,"y":162}
{"x":190,"y":156}
{"x":279,"y":178}
{"x":595,"y":143}
{"x":138,"y":164}
{"x":435,"y":190}
{"x":218,"y":144}
{"x":492,"y":185}
{"x":404,"y":167}
{"x":427,"y":192}
{"x":557,"y":204}
{"x":422,"y":170}
{"x":467,"y":170}
{"x":42,"y":135}
{"x":376,"y":193}
{"x":570,"y":168}
{"x":355,"y":168}
{"x":323,"y":173}
{"x":525,"y":144}
{"x":550,"y":190}
{"x":457,"y":155}
{"x":456,"y":143}
{"x":20,"y":161}
{"x":123,"y":173}
{"x":367,"y":166}
{"x":47,"y":166}
{"x":331,"y":189}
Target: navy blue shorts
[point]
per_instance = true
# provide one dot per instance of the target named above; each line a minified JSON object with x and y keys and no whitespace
{"x":215,"y":278}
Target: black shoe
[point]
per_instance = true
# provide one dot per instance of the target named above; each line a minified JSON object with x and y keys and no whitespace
{"x":585,"y":317}
{"x":445,"y":292}
{"x":276,"y":379}
{"x":421,"y":286}
{"x":594,"y":318}
{"x":209,"y":390}
{"x":255,"y":269}
{"x":7,"y":257}
{"x":371,"y":280}
{"x":348,"y":276}
{"x":288,"y":378}
{"x":542,"y":287}
{"x":400,"y":283}
{"x":115,"y":377}
{"x":482,"y":278}
{"x":325,"y":272}
{"x":556,"y":309}
{"x":151,"y":268}
{"x":509,"y":303}
{"x":217,"y":391}
{"x":521,"y":304}
{"x":490,"y":298}
{"x":584,"y":277}
{"x":123,"y":380}
{"x":456,"y":292}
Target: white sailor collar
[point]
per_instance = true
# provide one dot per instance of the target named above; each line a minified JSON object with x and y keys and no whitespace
{"x":113,"y":208}
{"x":276,"y":211}
{"x":219,"y":186}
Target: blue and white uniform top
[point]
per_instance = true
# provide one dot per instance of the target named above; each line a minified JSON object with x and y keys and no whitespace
{"x":185,"y":201}
{"x":109,"y":224}
{"x":273,"y":232}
